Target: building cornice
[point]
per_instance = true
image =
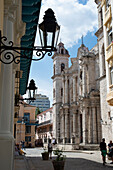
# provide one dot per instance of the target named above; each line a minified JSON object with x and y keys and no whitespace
{"x":57,"y":103}
{"x":56,"y":75}
{"x":60,"y":55}
{"x":102,"y":77}
{"x":99,"y":32}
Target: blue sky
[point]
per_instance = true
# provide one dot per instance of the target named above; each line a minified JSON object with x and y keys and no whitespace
{"x":76,"y":18}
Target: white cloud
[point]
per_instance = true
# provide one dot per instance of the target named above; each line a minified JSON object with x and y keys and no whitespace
{"x":74,"y":18}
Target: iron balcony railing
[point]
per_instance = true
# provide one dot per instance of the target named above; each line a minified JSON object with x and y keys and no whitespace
{"x":25,"y":121}
{"x":45,"y":123}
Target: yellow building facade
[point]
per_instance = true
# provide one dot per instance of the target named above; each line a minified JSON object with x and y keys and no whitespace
{"x":25,"y":126}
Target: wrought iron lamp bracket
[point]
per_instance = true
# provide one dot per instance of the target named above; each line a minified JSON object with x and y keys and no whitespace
{"x":9,"y":53}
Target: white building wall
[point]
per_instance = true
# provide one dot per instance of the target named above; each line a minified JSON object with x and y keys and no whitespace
{"x":106,"y":110}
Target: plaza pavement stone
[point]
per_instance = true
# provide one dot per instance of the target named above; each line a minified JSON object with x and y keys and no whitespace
{"x":75,"y":160}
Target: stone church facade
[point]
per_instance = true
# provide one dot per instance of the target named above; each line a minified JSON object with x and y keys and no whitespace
{"x":76,"y":97}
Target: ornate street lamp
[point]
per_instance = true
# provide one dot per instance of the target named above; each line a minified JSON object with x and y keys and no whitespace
{"x":49,"y":32}
{"x":31,"y":93}
{"x":32,"y":88}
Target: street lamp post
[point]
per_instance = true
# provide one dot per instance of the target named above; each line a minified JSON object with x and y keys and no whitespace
{"x":31,"y":93}
{"x":49,"y":33}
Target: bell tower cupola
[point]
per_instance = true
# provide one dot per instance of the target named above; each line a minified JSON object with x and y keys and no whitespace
{"x":60,"y":59}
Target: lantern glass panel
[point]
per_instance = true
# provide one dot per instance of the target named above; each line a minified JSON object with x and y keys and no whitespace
{"x":32,"y":93}
{"x":56,"y":37}
{"x":49,"y":38}
{"x":41,"y":33}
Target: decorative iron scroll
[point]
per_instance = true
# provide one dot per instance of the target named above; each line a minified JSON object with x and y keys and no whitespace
{"x":9,"y":53}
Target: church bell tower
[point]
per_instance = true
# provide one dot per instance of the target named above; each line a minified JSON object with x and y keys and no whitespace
{"x":60,"y":62}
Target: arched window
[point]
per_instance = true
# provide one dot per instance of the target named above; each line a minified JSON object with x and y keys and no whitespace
{"x":62,"y":51}
{"x":16,"y":115}
{"x":81,"y":75}
{"x":110,"y":36}
{"x":101,"y":17}
{"x":107,"y":4}
{"x":62,"y":67}
{"x":111,"y":74}
{"x":54,"y":69}
{"x":53,"y":93}
{"x":26,"y":117}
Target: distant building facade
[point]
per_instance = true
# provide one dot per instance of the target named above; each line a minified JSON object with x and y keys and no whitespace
{"x":44,"y":129}
{"x":25,"y":126}
{"x":76,"y":97}
{"x":42,"y":102}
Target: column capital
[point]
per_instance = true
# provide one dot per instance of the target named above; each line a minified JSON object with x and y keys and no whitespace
{"x":65,"y":106}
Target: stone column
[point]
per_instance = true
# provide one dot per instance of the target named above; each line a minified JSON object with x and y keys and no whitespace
{"x":63,"y":90}
{"x":79,"y":126}
{"x":54,"y":121}
{"x":84,"y":120}
{"x":66,"y":125}
{"x":84,"y":80}
{"x":74,"y":121}
{"x":99,"y":124}
{"x":94,"y":125}
{"x":66,"y":89}
{"x":77,"y":89}
{"x":71,"y":127}
{"x":76,"y":128}
{"x":89,"y":126}
{"x":63,"y":128}
{"x":7,"y":108}
{"x":60,"y":124}
{"x":74,"y":89}
{"x":58,"y":128}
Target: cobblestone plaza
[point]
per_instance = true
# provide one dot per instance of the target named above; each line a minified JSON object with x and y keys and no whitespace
{"x":75,"y":160}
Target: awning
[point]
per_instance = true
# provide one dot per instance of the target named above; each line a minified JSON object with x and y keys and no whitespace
{"x":30,"y":15}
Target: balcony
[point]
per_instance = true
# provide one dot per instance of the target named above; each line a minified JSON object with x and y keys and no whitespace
{"x":48,"y":122}
{"x":109,"y":52}
{"x":108,"y":16}
{"x":26,"y":122}
{"x":110,"y":98}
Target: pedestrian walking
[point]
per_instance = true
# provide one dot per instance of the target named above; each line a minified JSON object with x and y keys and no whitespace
{"x":110,"y":153}
{"x":23,"y":144}
{"x":50,"y":149}
{"x":103,"y":150}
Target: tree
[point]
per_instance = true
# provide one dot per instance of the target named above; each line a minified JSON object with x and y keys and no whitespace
{"x":38,"y":111}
